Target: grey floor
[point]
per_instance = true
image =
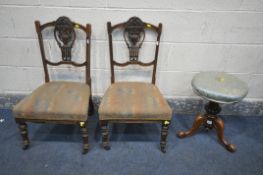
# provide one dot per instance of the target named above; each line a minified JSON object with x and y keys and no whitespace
{"x":56,"y":149}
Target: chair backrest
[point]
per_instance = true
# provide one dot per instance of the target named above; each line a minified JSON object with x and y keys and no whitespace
{"x":63,"y":31}
{"x":134,"y":35}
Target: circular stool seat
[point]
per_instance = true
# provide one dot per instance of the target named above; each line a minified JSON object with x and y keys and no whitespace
{"x":219,"y":87}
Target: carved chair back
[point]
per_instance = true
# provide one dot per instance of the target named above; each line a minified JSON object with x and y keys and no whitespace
{"x":134,"y":31}
{"x":64,"y":32}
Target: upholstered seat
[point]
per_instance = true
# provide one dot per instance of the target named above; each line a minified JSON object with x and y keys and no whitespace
{"x":134,"y":101}
{"x":219,"y":87}
{"x":56,"y":101}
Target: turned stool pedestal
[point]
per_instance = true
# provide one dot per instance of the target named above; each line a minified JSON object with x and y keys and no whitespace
{"x":217,"y":88}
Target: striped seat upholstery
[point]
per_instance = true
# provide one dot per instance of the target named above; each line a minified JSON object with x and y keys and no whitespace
{"x":67,"y":101}
{"x":134,"y":101}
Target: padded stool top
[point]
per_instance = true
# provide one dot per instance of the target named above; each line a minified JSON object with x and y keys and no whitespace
{"x":219,"y":87}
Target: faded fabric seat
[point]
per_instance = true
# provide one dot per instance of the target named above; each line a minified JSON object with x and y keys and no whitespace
{"x":134,"y":101}
{"x":56,"y":100}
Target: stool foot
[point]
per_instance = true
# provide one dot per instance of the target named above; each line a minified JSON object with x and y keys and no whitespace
{"x":231,"y":147}
{"x":219,"y":127}
{"x":199,"y":121}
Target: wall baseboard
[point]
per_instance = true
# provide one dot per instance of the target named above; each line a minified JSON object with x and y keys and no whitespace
{"x":179,"y":105}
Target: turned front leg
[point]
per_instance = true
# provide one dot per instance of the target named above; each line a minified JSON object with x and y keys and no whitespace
{"x":164,"y":134}
{"x":85,"y":137}
{"x":24,"y":133}
{"x":105,"y":135}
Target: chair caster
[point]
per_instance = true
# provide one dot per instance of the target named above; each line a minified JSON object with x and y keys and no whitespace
{"x":163,"y":150}
{"x":25,"y":146}
{"x":85,"y":151}
{"x":107,"y":147}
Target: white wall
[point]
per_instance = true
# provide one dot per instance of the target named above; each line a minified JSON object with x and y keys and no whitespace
{"x":220,"y":35}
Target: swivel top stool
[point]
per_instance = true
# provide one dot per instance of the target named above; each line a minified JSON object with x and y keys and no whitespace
{"x":217,"y":88}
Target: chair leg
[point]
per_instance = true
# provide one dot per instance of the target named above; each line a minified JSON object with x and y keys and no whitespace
{"x":219,"y":127}
{"x":85,"y":137}
{"x":199,"y":121}
{"x":91,"y":107}
{"x":105,"y":135}
{"x":164,"y":134}
{"x":24,"y":134}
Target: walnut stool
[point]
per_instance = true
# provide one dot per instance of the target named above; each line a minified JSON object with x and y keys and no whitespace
{"x":218,"y":88}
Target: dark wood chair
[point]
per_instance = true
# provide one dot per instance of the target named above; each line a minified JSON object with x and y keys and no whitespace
{"x":62,"y":102}
{"x":134,"y":102}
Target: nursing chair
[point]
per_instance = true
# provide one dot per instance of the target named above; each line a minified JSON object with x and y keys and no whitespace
{"x":133,"y":102}
{"x":62,"y":102}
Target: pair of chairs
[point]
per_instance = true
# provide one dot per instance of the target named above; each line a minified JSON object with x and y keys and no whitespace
{"x":66,"y":102}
